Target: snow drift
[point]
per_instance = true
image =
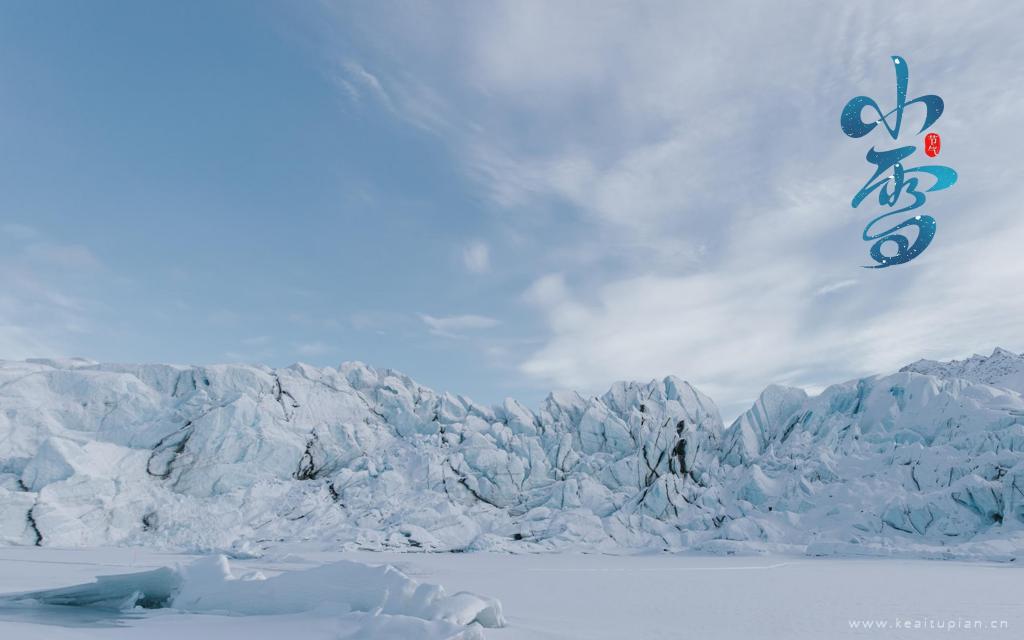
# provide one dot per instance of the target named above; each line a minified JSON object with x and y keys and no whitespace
{"x":234,"y":458}
{"x":381,"y":600}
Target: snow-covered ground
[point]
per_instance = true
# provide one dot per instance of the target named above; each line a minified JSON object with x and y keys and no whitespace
{"x":548,"y":596}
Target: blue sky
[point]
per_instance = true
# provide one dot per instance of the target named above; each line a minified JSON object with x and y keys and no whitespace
{"x":497,"y":198}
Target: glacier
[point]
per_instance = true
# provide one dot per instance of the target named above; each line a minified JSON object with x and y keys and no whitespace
{"x":234,"y":459}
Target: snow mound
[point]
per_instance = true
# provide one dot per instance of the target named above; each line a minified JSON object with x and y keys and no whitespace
{"x":380,"y":601}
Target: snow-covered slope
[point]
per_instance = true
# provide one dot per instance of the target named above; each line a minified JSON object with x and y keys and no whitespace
{"x":238,"y":457}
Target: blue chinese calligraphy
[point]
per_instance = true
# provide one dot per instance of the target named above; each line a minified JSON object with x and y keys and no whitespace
{"x":899,"y":187}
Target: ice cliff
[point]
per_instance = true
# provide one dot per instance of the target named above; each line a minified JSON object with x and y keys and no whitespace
{"x":926,"y":461}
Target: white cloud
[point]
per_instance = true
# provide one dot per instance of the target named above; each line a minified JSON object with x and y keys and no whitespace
{"x":733,"y":333}
{"x":450,"y":326}
{"x":477,"y":257}
{"x":701,"y":146}
{"x":835,"y":286}
{"x":755,"y":319}
{"x":44,"y":299}
{"x":547,"y":290}
{"x":356,"y":81}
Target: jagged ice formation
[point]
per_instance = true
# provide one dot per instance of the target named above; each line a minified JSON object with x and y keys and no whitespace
{"x":927,"y":461}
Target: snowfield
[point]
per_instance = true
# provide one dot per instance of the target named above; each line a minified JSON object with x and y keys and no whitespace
{"x":566,"y":596}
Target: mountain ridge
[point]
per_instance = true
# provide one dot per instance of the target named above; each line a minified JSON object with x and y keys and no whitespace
{"x":1003,"y":368}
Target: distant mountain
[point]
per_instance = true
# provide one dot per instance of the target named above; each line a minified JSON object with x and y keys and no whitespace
{"x":927,"y":461}
{"x":1001,"y":369}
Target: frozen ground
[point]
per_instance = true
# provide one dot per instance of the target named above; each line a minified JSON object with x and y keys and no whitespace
{"x":567,"y":595}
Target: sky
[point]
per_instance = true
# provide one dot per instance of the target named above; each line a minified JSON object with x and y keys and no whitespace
{"x":500,"y":198}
